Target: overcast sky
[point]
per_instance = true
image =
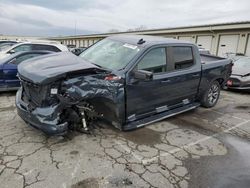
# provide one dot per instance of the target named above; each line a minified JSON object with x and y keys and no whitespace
{"x":59,"y":17}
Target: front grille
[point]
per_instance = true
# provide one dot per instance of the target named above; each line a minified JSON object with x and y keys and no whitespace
{"x":36,"y":95}
{"x":33,"y":94}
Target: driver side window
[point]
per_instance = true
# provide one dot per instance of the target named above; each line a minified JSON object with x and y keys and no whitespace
{"x":154,"y":61}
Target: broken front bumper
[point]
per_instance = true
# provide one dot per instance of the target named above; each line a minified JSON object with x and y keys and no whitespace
{"x":45,"y":119}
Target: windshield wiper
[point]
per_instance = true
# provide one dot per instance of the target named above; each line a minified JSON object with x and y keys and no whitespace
{"x":97,"y":65}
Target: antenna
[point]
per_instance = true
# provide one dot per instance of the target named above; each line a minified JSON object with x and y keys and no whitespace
{"x":141,"y":41}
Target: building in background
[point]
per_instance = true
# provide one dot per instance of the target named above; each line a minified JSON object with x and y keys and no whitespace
{"x":219,"y":39}
{"x":18,"y":38}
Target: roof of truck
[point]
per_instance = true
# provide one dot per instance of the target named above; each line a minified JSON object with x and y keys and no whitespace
{"x":149,"y":40}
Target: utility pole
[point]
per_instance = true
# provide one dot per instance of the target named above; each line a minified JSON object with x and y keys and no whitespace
{"x":75,"y":27}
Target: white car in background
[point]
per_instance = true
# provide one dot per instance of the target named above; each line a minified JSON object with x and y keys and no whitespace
{"x":30,"y":46}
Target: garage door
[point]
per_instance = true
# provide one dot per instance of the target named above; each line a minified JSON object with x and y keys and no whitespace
{"x":228,"y":44}
{"x":248,"y":47}
{"x":186,"y":38}
{"x":205,"y":42}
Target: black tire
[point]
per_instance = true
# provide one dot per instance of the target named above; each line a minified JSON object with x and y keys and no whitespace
{"x":211,"y":96}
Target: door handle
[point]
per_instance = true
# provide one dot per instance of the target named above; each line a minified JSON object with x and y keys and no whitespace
{"x":165,"y":81}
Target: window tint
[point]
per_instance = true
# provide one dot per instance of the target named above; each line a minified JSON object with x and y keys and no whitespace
{"x":22,"y":48}
{"x":45,"y":47}
{"x":183,"y":57}
{"x":23,"y":58}
{"x":154,"y":61}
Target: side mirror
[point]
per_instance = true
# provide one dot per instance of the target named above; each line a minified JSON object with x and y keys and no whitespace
{"x":143,"y":75}
{"x":11,"y":52}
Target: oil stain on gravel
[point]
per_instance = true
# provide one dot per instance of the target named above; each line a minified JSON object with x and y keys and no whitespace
{"x":87,"y":183}
{"x":143,"y":136}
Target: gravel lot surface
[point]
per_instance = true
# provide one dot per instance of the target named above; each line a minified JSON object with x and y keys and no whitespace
{"x":200,"y":148}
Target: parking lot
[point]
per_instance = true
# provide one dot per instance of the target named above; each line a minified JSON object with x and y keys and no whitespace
{"x":200,"y":148}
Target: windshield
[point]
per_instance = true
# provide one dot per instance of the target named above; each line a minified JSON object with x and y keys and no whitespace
{"x":110,"y":54}
{"x":242,"y":63}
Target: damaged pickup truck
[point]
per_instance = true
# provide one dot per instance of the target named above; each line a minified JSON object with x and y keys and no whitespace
{"x":128,"y":80}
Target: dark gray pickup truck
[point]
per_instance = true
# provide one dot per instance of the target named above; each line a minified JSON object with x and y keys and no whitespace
{"x":128,"y":80}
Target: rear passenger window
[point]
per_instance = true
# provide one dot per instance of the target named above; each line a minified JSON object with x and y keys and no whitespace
{"x":183,"y":57}
{"x":154,"y":61}
{"x":45,"y":47}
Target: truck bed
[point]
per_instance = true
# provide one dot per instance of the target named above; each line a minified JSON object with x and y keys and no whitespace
{"x":214,"y":68}
{"x":206,"y":58}
{"x":211,"y":61}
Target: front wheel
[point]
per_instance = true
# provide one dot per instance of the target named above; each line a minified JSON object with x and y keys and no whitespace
{"x":211,"y":96}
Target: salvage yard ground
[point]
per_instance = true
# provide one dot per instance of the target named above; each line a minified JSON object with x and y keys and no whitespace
{"x":200,"y":148}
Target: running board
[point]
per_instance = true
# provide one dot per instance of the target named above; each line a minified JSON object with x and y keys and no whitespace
{"x":158,"y":117}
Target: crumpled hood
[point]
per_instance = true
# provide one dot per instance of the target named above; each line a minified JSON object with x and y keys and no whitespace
{"x":48,"y":68}
{"x":240,"y":71}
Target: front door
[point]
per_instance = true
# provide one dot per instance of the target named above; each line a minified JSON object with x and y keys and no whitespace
{"x":144,"y":96}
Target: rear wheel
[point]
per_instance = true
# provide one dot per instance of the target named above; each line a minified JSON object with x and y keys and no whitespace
{"x":211,"y":96}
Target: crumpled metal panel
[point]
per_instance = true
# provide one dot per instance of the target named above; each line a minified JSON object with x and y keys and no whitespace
{"x":87,"y":87}
{"x":109,"y":93}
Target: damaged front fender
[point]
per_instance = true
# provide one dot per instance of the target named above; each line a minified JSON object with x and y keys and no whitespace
{"x":106,"y":96}
{"x":55,"y":113}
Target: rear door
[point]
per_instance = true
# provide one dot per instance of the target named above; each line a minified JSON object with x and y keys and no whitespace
{"x":172,"y":86}
{"x":184,"y":73}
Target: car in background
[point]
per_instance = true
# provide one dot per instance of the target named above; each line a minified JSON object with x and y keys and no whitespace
{"x":33,"y":46}
{"x":240,"y":78}
{"x":71,"y":46}
{"x":234,"y":56}
{"x":8,"y":68}
{"x":8,"y":41}
{"x":6,"y":45}
{"x":78,"y":51}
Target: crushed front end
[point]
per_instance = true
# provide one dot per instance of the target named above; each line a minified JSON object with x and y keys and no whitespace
{"x":70,"y":103}
{"x":39,"y":108}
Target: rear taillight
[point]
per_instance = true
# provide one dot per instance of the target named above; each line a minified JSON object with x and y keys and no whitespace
{"x":112,"y":77}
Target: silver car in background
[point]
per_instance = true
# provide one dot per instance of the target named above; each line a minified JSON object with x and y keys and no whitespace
{"x":240,"y":78}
